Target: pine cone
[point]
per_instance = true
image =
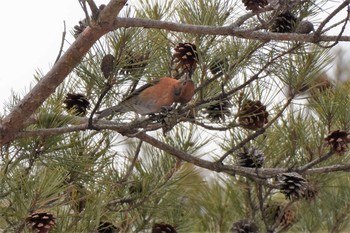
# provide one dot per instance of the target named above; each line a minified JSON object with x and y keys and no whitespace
{"x":77,"y":103}
{"x":185,"y":57}
{"x":244,"y":226}
{"x":292,"y":185}
{"x":252,"y":158}
{"x":304,"y":27}
{"x":163,"y":228}
{"x":168,"y":120}
{"x":107,"y":65}
{"x":41,"y":222}
{"x":284,"y":23}
{"x":254,"y":5}
{"x":107,"y":227}
{"x":286,"y":218}
{"x":218,"y":111}
{"x":338,"y":139}
{"x":252,"y":115}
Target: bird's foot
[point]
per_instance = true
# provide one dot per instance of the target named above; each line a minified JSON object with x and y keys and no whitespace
{"x":166,"y":109}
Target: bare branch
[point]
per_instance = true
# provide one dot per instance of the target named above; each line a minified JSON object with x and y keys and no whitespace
{"x":329,"y":169}
{"x":132,"y":164}
{"x":223,"y":30}
{"x":94,"y":9}
{"x":330,"y":16}
{"x":316,"y":161}
{"x":62,"y":41}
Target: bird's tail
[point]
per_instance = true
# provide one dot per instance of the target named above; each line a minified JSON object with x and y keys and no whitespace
{"x":109,"y":111}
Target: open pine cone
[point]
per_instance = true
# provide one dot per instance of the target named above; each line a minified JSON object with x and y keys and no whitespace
{"x":252,"y":115}
{"x":251,"y":157}
{"x":255,"y":5}
{"x":286,"y":218}
{"x":338,"y":139}
{"x":284,"y":23}
{"x":244,"y":226}
{"x":185,"y":57}
{"x":218,"y":111}
{"x":163,"y":228}
{"x":292,"y":185}
{"x":168,"y":120}
{"x":41,"y":222}
{"x":77,"y":103}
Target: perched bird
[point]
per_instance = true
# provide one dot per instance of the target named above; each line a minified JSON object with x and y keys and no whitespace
{"x":152,"y":97}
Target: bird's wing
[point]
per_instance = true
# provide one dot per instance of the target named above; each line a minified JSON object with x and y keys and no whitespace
{"x":140,"y":89}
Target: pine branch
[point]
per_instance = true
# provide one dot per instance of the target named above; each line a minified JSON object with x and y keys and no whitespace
{"x":222,"y":30}
{"x":46,"y":86}
{"x":130,"y":130}
{"x":316,"y":161}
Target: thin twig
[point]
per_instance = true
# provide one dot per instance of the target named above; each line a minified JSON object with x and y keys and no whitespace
{"x":94,"y":9}
{"x":334,"y":25}
{"x":205,"y":126}
{"x":259,"y":193}
{"x":330,"y":16}
{"x":107,"y":87}
{"x":62,"y":41}
{"x":249,"y":15}
{"x":339,"y":35}
{"x":316,"y":161}
{"x":133,"y":162}
{"x":83,"y":6}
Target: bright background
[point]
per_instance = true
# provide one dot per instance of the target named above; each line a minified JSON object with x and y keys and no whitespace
{"x":31,"y":38}
{"x":32,"y":32}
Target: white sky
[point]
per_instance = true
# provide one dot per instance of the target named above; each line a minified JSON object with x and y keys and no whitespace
{"x":31,"y":37}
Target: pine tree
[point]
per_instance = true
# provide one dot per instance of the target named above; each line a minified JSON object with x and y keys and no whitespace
{"x":261,"y":147}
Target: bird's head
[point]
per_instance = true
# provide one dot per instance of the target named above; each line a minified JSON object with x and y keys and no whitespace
{"x":184,"y":91}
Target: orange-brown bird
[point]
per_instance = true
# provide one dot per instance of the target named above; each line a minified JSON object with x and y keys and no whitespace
{"x":152,"y":97}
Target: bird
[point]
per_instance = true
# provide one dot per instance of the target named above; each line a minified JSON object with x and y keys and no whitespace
{"x":154,"y":97}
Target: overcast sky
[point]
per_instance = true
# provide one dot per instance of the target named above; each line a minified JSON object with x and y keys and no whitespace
{"x":31,"y":37}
